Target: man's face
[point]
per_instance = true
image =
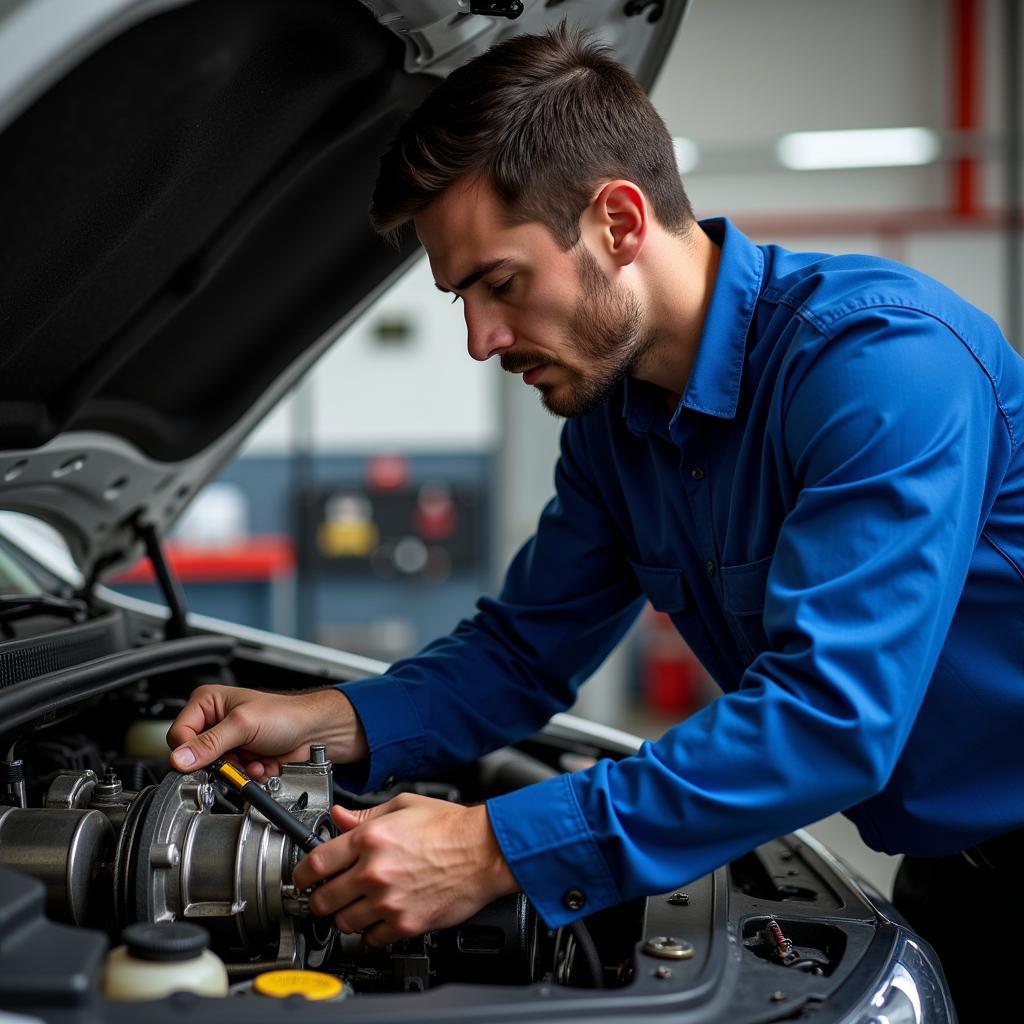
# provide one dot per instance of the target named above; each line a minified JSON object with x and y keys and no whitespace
{"x":548,"y":314}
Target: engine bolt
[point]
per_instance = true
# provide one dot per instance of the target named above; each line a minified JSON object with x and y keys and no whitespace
{"x":274,"y":784}
{"x":679,"y":899}
{"x":204,"y":795}
{"x":318,"y":753}
{"x":164,"y":855}
{"x":667,"y":947}
{"x":109,"y":787}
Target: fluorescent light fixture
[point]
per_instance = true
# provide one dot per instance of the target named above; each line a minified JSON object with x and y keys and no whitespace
{"x":869,"y":147}
{"x":687,"y":154}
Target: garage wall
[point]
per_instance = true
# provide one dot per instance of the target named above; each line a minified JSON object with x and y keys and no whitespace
{"x":399,"y":380}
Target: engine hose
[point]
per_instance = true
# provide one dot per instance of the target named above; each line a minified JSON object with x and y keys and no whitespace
{"x":585,"y":942}
{"x":31,"y":699}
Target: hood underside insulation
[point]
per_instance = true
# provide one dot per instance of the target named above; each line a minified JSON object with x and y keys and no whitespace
{"x":185,"y":212}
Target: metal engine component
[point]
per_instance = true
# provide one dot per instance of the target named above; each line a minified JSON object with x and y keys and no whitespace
{"x":231,"y":871}
{"x":66,"y":850}
{"x":175,"y":859}
{"x":187,"y":850}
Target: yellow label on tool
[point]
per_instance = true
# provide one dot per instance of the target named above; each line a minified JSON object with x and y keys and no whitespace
{"x":310,"y":984}
{"x":233,"y":775}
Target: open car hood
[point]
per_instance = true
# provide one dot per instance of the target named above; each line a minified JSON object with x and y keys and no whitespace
{"x":183,"y":196}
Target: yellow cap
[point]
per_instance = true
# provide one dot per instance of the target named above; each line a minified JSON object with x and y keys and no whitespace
{"x":310,"y":984}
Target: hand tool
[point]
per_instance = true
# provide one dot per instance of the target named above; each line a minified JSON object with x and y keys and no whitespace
{"x":253,"y":793}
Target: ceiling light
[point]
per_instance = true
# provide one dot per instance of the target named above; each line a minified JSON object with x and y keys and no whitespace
{"x":869,"y":147}
{"x":687,"y":154}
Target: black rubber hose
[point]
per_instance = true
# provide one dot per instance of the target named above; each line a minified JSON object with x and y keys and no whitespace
{"x":508,"y":769}
{"x":585,"y":942}
{"x":31,"y":699}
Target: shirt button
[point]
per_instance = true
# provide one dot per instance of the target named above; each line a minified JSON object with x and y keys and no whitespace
{"x":710,"y":566}
{"x":574,"y":899}
{"x":697,"y":474}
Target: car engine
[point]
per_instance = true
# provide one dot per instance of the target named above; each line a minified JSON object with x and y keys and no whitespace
{"x":116,"y":839}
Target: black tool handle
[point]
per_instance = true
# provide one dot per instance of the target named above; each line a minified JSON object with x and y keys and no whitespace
{"x":259,"y":798}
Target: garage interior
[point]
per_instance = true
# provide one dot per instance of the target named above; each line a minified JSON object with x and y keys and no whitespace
{"x":389,"y":488}
{"x":890,"y":129}
{"x":472,"y":454}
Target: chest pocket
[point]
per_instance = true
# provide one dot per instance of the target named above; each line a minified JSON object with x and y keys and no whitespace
{"x":743,"y":594}
{"x":663,"y":587}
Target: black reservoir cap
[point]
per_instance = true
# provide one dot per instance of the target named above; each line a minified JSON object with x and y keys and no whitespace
{"x":165,"y":941}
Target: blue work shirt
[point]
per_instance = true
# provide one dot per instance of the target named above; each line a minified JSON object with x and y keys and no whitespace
{"x":833,"y":518}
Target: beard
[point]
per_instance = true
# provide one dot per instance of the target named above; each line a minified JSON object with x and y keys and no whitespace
{"x":606,"y":337}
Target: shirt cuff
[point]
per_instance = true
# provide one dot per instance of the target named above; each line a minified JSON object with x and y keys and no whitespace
{"x":550,"y":849}
{"x":394,"y":734}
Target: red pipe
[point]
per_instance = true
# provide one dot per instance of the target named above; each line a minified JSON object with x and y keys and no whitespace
{"x":888,"y":223}
{"x":966,"y":89}
{"x":964,"y":212}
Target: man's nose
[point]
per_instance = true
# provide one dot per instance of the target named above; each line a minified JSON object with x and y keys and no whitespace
{"x":487,"y":334}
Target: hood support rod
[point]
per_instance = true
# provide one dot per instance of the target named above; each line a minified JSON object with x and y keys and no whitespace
{"x":177,"y":624}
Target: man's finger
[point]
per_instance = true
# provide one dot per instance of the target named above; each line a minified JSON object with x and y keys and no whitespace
{"x":335,"y":855}
{"x":207,"y":746}
{"x":340,"y":893}
{"x":192,"y":719}
{"x":356,"y":917}
{"x":382,"y":934}
{"x":344,"y":818}
{"x":347,"y":820}
{"x":257,"y":767}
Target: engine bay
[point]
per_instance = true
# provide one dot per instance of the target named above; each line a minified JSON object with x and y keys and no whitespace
{"x":98,"y":836}
{"x":116,"y":838}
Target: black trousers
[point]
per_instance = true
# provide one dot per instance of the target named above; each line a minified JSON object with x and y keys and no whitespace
{"x":973,"y":917}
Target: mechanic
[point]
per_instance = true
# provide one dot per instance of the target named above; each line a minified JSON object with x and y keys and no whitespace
{"x":811,"y":463}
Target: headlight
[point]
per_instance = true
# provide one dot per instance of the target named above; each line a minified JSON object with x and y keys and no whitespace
{"x":912,"y":992}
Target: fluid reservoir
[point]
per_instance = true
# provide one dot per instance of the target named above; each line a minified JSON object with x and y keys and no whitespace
{"x":312,"y":985}
{"x":158,"y":959}
{"x":147,"y":737}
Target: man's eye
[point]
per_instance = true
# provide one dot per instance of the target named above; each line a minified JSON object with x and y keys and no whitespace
{"x":502,"y":286}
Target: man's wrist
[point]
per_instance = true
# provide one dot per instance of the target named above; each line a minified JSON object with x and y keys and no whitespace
{"x":342,"y":729}
{"x":498,"y":879}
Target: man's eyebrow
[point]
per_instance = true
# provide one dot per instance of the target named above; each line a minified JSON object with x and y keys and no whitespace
{"x":475,"y":274}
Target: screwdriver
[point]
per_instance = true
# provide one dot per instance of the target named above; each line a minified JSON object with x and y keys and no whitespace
{"x":254,"y":794}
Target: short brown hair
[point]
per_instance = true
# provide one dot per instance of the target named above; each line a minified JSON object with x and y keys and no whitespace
{"x":547,"y":118}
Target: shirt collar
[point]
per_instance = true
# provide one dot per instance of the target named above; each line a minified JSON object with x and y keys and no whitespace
{"x":714,"y":384}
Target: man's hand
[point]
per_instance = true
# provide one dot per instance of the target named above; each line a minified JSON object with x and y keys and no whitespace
{"x":405,"y":867}
{"x":261,"y":730}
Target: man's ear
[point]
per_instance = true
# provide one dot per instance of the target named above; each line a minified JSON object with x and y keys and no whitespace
{"x":620,"y":216}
